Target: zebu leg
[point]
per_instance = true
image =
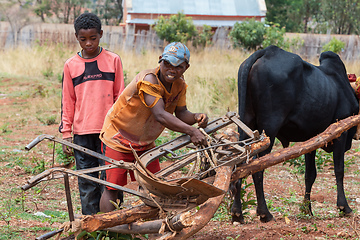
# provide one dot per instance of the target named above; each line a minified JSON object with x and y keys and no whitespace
{"x":310,"y":176}
{"x":236,"y":208}
{"x":338,"y":156}
{"x":262,"y":210}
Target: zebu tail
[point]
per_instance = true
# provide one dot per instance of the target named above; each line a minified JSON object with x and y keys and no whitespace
{"x":243,"y":75}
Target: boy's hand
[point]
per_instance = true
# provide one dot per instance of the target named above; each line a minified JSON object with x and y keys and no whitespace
{"x":66,"y":149}
{"x":197,"y":137}
{"x":202,"y":119}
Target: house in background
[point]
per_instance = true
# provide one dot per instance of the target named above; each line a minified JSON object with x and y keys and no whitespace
{"x":141,"y":14}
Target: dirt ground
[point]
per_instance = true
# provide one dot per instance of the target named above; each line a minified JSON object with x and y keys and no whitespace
{"x":284,"y":189}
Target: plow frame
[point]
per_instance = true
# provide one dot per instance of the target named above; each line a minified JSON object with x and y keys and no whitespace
{"x":175,"y":228}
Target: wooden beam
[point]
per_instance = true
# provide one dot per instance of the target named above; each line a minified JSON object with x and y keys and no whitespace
{"x":332,"y":132}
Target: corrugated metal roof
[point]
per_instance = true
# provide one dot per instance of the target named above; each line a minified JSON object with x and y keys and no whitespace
{"x":211,"y":23}
{"x":200,"y":7}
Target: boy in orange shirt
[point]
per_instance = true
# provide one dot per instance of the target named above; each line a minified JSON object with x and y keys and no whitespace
{"x":92,"y":81}
{"x":141,"y":113}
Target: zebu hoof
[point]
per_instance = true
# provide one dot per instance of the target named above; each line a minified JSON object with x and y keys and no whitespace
{"x":266,"y":218}
{"x":237,"y":218}
{"x":345,"y":211}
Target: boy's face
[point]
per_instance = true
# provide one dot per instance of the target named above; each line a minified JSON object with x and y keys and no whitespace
{"x":170,"y":73}
{"x":89,"y":41}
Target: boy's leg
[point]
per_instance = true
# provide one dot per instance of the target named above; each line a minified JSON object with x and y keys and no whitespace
{"x":105,"y":205}
{"x":90,"y":192}
{"x":117,"y":176}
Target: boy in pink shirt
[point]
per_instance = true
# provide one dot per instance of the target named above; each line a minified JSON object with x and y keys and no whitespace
{"x":92,"y":81}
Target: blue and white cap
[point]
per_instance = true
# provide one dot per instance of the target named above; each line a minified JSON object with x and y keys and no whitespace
{"x":176,"y":53}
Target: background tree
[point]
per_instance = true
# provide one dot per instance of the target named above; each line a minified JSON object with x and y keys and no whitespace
{"x":294,"y":15}
{"x":65,"y":11}
{"x":310,"y":11}
{"x":110,"y":10}
{"x":17,"y":14}
{"x":43,"y":9}
{"x":341,"y":17}
{"x":279,"y":11}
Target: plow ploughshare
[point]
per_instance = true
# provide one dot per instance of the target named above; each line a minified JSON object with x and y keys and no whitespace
{"x":180,"y":206}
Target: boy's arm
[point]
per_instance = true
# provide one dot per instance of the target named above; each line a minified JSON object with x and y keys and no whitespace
{"x":67,"y":110}
{"x":119,"y":84}
{"x":173,"y":123}
{"x":191,"y":118}
{"x":67,"y":104}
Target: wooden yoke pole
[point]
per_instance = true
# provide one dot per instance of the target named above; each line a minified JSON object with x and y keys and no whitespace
{"x":332,"y":132}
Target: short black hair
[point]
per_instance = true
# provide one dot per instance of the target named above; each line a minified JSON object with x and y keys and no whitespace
{"x":87,"y":21}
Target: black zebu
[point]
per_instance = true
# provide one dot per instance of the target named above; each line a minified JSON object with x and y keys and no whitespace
{"x":293,"y":100}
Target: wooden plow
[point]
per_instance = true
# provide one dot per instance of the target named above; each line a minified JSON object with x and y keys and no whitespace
{"x":180,"y":207}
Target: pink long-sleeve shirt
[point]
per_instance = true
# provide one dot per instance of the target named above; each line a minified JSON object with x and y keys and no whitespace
{"x":90,"y":87}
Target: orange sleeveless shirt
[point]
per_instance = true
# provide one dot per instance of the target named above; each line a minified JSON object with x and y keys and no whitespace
{"x":130,"y":121}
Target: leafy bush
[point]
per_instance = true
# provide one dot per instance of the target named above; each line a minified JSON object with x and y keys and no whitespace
{"x":334,"y":45}
{"x":248,"y":34}
{"x":275,"y":36}
{"x":203,"y":38}
{"x":252,"y":34}
{"x":176,"y":28}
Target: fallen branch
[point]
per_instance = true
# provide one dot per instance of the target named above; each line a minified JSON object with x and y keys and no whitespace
{"x":111,"y":219}
{"x":332,"y":132}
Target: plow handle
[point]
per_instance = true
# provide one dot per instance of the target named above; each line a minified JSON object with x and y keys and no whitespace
{"x":37,"y":140}
{"x":49,"y":234}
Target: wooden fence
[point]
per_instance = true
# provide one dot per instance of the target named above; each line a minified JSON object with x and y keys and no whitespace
{"x":115,"y":37}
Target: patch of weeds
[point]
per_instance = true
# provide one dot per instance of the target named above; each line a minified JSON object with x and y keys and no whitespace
{"x":184,"y":170}
{"x":330,"y":225}
{"x":39,"y":167}
{"x":314,"y":227}
{"x":247,"y":200}
{"x":49,"y":216}
{"x":48,"y":73}
{"x":4,"y":129}
{"x":8,"y":211}
{"x":231,"y":238}
{"x":36,"y":166}
{"x":61,"y":157}
{"x":59,"y":77}
{"x":222,"y":213}
{"x":322,"y":159}
{"x":348,"y":162}
{"x":272,"y":208}
{"x":304,"y":229}
{"x":247,"y":196}
{"x":304,"y":216}
{"x":14,"y":159}
{"x":40,"y":91}
{"x":9,"y":232}
{"x":290,"y":200}
{"x":47,"y":120}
